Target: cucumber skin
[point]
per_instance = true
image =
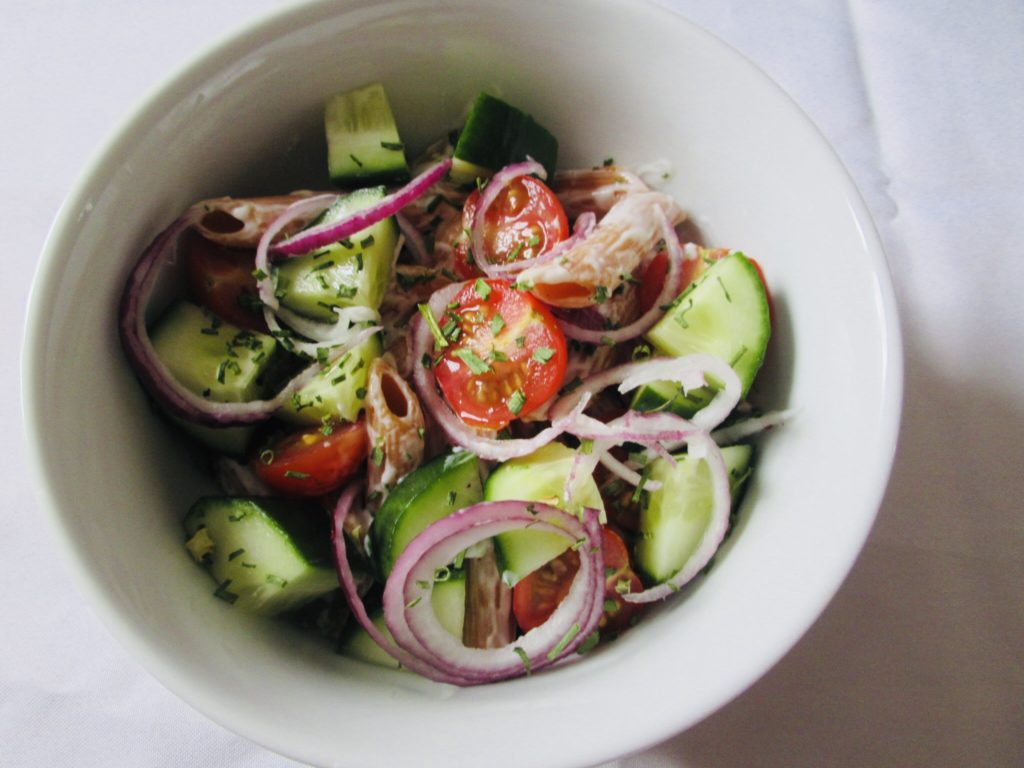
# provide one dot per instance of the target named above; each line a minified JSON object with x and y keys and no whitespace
{"x":658,"y":517}
{"x":496,"y":134}
{"x":421,"y":498}
{"x":299,"y":532}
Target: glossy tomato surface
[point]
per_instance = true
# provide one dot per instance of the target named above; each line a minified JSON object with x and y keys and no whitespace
{"x":525,"y":220}
{"x":537,"y":595}
{"x":313,"y":461}
{"x":221,"y":279}
{"x":505,"y":354}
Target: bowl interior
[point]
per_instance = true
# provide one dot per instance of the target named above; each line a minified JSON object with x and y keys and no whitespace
{"x":623,"y":80}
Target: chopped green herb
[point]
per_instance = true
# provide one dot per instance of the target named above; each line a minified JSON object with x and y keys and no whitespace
{"x":223,"y":593}
{"x":523,"y":658}
{"x":555,"y":652}
{"x":295,"y":474}
{"x":497,"y":323}
{"x":377,"y":455}
{"x":724,"y":289}
{"x":601,"y":294}
{"x":475,"y":364}
{"x":276,"y":580}
{"x":516,"y":401}
{"x":543,"y":354}
{"x":439,"y":340}
{"x":483,"y":290}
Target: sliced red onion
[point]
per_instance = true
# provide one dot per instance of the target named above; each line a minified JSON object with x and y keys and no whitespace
{"x":414,"y":626}
{"x":495,"y":186}
{"x":355,"y":601}
{"x":341,"y":335}
{"x":154,"y":375}
{"x":669,"y":289}
{"x":327,"y":234}
{"x":456,"y":429}
{"x":700,"y":446}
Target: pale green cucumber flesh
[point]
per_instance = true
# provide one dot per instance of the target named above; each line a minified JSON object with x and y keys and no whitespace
{"x":266,"y":555}
{"x":210,"y":357}
{"x":539,"y":476}
{"x":674,"y":518}
{"x":724,"y":313}
{"x":363,"y":145}
{"x":353,"y":272}
{"x":338,"y":392}
{"x":449,"y":602}
{"x":444,"y":485}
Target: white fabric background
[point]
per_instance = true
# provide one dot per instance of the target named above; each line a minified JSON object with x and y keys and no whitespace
{"x":919,"y":661}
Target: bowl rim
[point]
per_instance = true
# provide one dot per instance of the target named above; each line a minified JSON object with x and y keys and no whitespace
{"x":129,"y":129}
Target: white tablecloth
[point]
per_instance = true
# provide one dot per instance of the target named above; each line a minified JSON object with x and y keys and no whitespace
{"x":919,"y":661}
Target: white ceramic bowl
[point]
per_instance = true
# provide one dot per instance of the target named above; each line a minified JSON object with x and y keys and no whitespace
{"x":612,"y":79}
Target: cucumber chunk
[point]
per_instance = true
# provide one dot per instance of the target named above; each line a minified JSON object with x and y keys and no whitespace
{"x":446,"y":484}
{"x":353,"y":272}
{"x":673,"y":518}
{"x":266,"y":555}
{"x":449,"y":601}
{"x":363,"y":146}
{"x":217,"y":360}
{"x":539,"y":476}
{"x":724,"y":313}
{"x":338,"y":391}
{"x":496,"y":134}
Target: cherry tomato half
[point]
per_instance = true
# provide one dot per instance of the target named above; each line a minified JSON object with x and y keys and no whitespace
{"x":524,"y":221}
{"x":506,"y":355}
{"x":220,"y":279}
{"x":312,"y":463}
{"x":537,"y":595}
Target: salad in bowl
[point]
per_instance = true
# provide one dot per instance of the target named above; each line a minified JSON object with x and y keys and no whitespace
{"x":470,"y":413}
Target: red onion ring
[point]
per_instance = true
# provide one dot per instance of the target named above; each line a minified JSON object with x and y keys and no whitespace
{"x":413,"y":624}
{"x":340,"y":335}
{"x":355,"y":602}
{"x":326,"y":234}
{"x":497,"y":184}
{"x":156,"y":378}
